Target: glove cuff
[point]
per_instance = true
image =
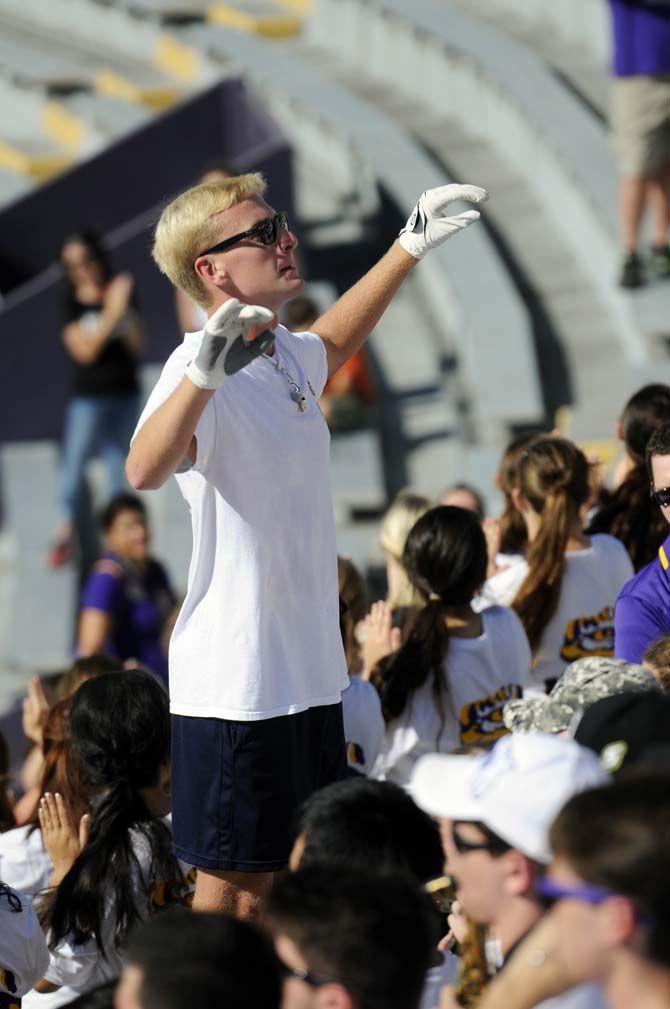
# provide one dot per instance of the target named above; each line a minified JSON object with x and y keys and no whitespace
{"x":200,"y":378}
{"x":414,"y":244}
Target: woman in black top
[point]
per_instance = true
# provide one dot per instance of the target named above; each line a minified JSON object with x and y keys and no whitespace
{"x":103,"y":336}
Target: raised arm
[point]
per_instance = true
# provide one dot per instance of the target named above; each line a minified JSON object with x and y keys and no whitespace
{"x":234,"y":335}
{"x":85,"y":344}
{"x":346,"y":326}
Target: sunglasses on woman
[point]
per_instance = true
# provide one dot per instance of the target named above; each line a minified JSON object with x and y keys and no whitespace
{"x":266,"y":231}
{"x":661,"y":497}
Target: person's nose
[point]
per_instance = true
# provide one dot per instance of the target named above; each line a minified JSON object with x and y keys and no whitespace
{"x":287,"y":240}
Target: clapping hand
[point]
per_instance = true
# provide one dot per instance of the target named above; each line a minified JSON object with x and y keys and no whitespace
{"x":380,"y":638}
{"x":64,"y":840}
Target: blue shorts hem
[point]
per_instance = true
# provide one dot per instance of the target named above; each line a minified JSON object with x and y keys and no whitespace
{"x":227,"y":864}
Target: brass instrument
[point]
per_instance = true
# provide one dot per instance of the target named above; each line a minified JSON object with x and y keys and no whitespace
{"x":473,"y":973}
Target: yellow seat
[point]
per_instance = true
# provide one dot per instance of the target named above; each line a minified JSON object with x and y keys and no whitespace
{"x":272,"y":24}
{"x":38,"y":165}
{"x":108,"y":82}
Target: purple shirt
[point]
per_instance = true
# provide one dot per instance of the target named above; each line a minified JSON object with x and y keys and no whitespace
{"x":138,"y":606}
{"x":641,"y":37}
{"x":642,"y":613}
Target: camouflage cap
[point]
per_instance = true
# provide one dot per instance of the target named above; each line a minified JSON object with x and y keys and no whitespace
{"x":583,"y":682}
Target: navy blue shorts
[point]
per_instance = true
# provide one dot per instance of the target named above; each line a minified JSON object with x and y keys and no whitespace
{"x":237,"y":786}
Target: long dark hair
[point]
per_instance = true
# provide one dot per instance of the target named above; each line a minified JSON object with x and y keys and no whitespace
{"x":445,"y":559}
{"x":92,"y":243}
{"x":629,"y":512}
{"x":120,"y":739}
{"x":554,"y":479}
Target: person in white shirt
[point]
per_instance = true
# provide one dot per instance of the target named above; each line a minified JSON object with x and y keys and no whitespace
{"x":115,"y":866}
{"x":23,"y":949}
{"x":565,"y":588}
{"x":448,"y":683}
{"x":256,"y":660}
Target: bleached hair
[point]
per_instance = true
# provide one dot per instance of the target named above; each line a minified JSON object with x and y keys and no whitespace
{"x":189,"y":225}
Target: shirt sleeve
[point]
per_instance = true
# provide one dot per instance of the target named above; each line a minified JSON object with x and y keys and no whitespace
{"x":72,"y":965}
{"x":104,"y":589}
{"x":310,"y":351}
{"x":171,"y":376}
{"x":636,"y":625}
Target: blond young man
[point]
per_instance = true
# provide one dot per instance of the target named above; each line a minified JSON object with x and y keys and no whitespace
{"x":256,"y":660}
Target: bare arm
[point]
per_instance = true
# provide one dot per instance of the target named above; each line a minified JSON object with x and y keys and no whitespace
{"x":85,"y":344}
{"x":230,"y":341}
{"x":346,"y":326}
{"x":95,"y":628}
{"x":167,"y":437}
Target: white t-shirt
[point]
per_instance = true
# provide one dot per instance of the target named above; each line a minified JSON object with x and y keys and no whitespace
{"x":80,"y":968}
{"x":24,"y":956}
{"x":258,"y":634}
{"x":363,"y":724}
{"x":583,"y":624}
{"x":24,"y":863}
{"x":482,"y":674}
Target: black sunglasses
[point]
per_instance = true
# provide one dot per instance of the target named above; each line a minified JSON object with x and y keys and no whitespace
{"x":495,"y":845}
{"x":309,"y":977}
{"x":265,"y":231}
{"x":661,"y":497}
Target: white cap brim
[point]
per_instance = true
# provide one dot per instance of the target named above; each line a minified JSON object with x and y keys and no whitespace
{"x":443,"y":786}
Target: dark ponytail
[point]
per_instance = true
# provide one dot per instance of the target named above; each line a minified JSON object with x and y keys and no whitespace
{"x":119,"y":740}
{"x":629,"y":512}
{"x":445,"y":559}
{"x":554,"y":479}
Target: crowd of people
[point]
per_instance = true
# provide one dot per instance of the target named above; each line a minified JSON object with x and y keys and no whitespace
{"x":458,"y":795}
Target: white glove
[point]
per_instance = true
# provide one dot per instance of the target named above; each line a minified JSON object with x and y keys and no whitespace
{"x":224,"y":348}
{"x":428,"y":226}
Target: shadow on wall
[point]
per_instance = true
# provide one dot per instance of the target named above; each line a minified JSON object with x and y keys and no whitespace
{"x":120,"y":194}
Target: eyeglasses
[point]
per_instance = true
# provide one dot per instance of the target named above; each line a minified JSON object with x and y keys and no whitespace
{"x":661,"y":497}
{"x":547,"y":893}
{"x":313,"y":979}
{"x":494,"y":845}
{"x":265,"y":231}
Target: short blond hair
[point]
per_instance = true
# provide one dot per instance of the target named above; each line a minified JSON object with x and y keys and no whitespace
{"x":188,"y":225}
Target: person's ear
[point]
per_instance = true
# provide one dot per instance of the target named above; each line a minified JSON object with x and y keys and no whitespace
{"x":618,"y":430}
{"x":519,"y":873}
{"x":618,"y":923}
{"x":210,"y":271}
{"x":518,"y":500}
{"x":332,"y":996}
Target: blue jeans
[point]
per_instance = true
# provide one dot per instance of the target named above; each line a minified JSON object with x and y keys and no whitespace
{"x":95,"y":425}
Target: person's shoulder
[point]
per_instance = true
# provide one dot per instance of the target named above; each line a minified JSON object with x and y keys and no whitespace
{"x":607,"y":546}
{"x":303,"y":339}
{"x":653,"y":575}
{"x":20,"y":841}
{"x":108,"y":566}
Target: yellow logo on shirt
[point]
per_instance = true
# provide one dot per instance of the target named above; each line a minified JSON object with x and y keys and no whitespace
{"x":481,"y":721}
{"x":587,"y":636}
